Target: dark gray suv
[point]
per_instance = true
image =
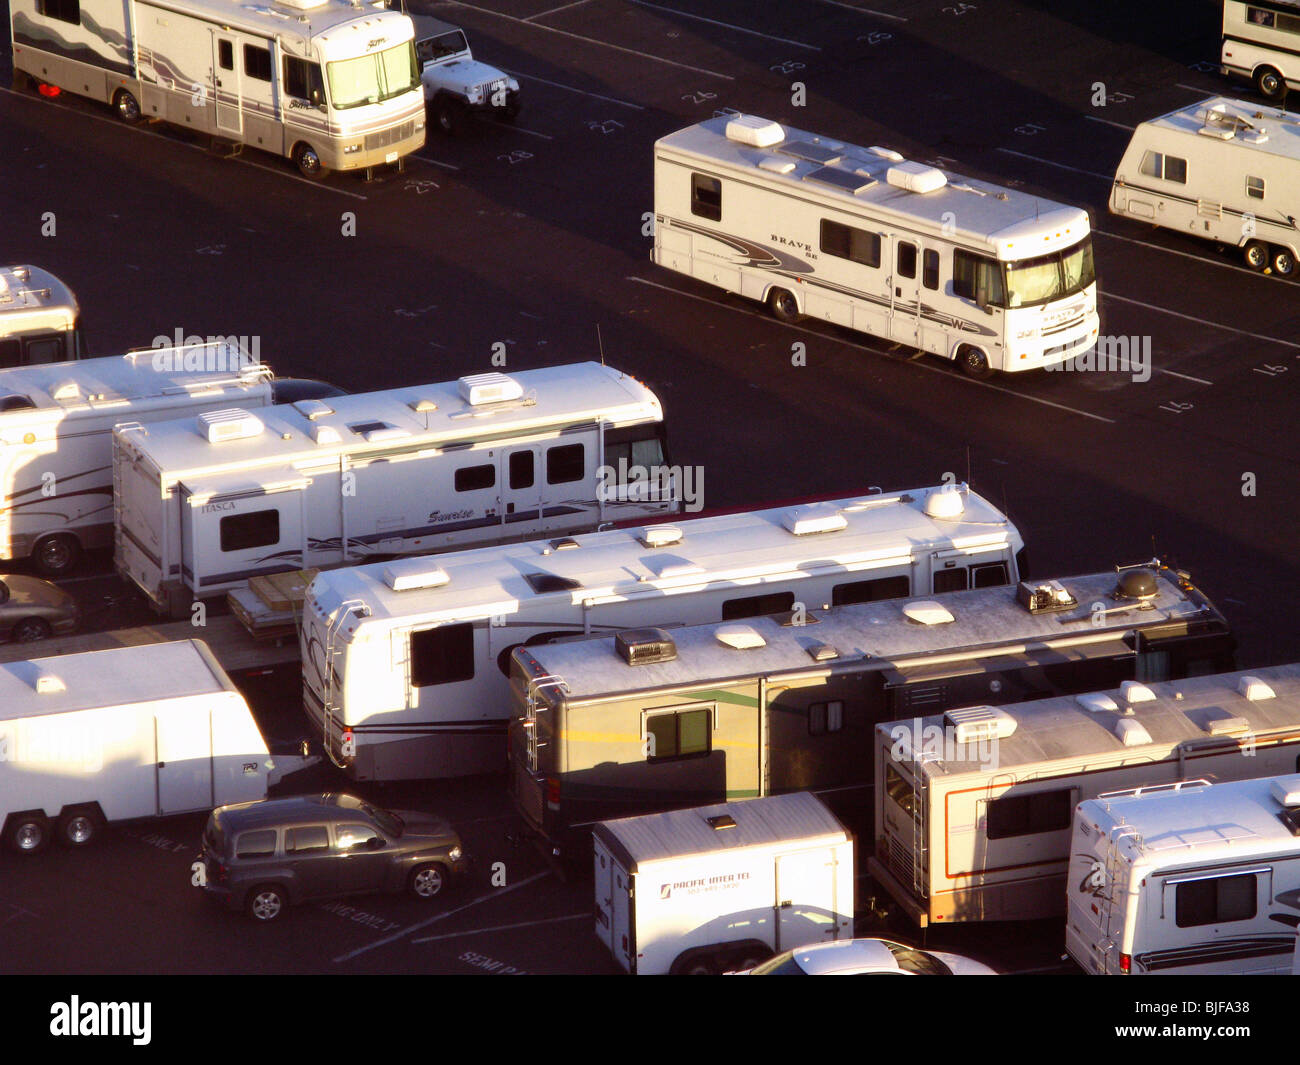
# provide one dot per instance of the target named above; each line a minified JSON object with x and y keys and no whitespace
{"x":263,"y":856}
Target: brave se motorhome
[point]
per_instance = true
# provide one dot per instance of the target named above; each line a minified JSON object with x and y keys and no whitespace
{"x":330,"y":84}
{"x":39,"y":318}
{"x":992,"y":277}
{"x":1222,"y":170}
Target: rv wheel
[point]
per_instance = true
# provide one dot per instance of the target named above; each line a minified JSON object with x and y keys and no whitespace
{"x":1269,"y":83}
{"x":696,"y":963}
{"x":1256,"y":254}
{"x":785,"y":308}
{"x":128,"y":108}
{"x":974,"y":363}
{"x":56,"y":555}
{"x":29,"y":630}
{"x":79,"y":827}
{"x":28,"y":833}
{"x":308,"y":162}
{"x":1283,"y":262}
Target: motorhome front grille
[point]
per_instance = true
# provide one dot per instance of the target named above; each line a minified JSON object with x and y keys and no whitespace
{"x":385,"y":137}
{"x":1064,"y":326}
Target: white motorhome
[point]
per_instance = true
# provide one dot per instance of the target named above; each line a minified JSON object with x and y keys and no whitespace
{"x":410,"y":661}
{"x":972,"y":808}
{"x":127,"y":733}
{"x":1261,"y":43}
{"x":204,"y":504}
{"x":56,"y":436}
{"x":330,"y":84}
{"x":1223,"y":170}
{"x":655,"y":719}
{"x":994,"y":278}
{"x":39,"y":318}
{"x":716,"y":888}
{"x":1186,"y":879}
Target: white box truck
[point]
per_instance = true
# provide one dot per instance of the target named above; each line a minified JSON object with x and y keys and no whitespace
{"x":132,"y":732}
{"x":722,"y":887}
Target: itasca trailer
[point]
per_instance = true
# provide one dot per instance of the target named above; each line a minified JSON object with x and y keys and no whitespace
{"x":703,"y":891}
{"x":657,"y":719}
{"x":113,"y":735}
{"x":1222,"y":169}
{"x":405,"y":665}
{"x":56,"y":442}
{"x":39,"y":318}
{"x":204,"y":504}
{"x":994,"y":278}
{"x":330,"y":84}
{"x":972,"y":808}
{"x":1261,"y":43}
{"x":1186,"y":879}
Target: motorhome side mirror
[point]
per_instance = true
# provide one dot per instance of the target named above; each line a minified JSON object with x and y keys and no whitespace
{"x":316,"y":99}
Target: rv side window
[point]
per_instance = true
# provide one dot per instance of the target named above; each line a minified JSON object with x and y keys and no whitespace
{"x":1215,"y":900}
{"x":226,"y":55}
{"x":302,"y":79}
{"x":443,"y":655}
{"x":1259,"y":17}
{"x":11,"y":353}
{"x":679,"y":734}
{"x":706,"y":197}
{"x":950,"y":580}
{"x":899,"y":789}
{"x":257,"y":62}
{"x":846,"y":242}
{"x":1288,"y":23}
{"x":44,"y":349}
{"x":255,"y":844}
{"x":906,"y":259}
{"x":990,"y":575}
{"x":475,"y":478}
{"x":870,"y":591}
{"x":972,"y":274}
{"x":752,"y":606}
{"x":261,"y":528}
{"x":565,"y":464}
{"x":63,"y":10}
{"x":1025,"y":815}
{"x":522,"y":473}
{"x":307,"y":839}
{"x":825,"y":717}
{"x":930,"y":269}
{"x":637,"y":445}
{"x":1255,"y":188}
{"x":1167,"y":167}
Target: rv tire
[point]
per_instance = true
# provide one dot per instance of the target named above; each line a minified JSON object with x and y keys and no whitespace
{"x":127,"y":107}
{"x":29,"y":630}
{"x":1269,"y":83}
{"x":696,"y":963}
{"x":56,"y":555}
{"x":28,"y":833}
{"x":79,"y":826}
{"x":308,"y":162}
{"x":784,"y":307}
{"x":1255,"y":252}
{"x":1283,"y":262}
{"x":974,"y":363}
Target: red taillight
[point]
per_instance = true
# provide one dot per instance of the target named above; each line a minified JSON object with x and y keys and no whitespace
{"x":553,"y":790}
{"x":48,"y":90}
{"x":1125,"y":963}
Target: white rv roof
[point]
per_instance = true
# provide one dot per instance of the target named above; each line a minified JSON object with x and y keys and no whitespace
{"x":1007,"y":222}
{"x":27,"y":291}
{"x":1197,"y":712}
{"x":798,"y":817}
{"x":370,"y":422}
{"x":752,"y":545}
{"x":1253,"y":127}
{"x":121,"y":676}
{"x":140,"y":380}
{"x":982,"y":618}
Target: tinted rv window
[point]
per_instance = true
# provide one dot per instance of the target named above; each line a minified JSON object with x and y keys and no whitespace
{"x":1255,"y":188}
{"x":825,"y":717}
{"x":226,"y":55}
{"x":930,"y":270}
{"x":846,"y":242}
{"x":261,"y":528}
{"x":63,"y":10}
{"x":302,"y":78}
{"x":565,"y":464}
{"x":443,"y":655}
{"x":907,"y":259}
{"x":522,"y":473}
{"x":257,"y":62}
{"x":1215,"y":900}
{"x":637,"y":445}
{"x":950,"y":580}
{"x":43,"y":350}
{"x":870,"y":591}
{"x":752,"y":606}
{"x":706,"y":197}
{"x":679,"y":734}
{"x":973,"y":273}
{"x":990,"y":575}
{"x":475,"y":478}
{"x":1025,"y":815}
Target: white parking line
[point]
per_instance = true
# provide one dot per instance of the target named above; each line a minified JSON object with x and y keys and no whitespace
{"x":504,"y":928}
{"x":725,"y":25}
{"x":864,"y":10}
{"x":552,"y":11}
{"x":862,"y":347}
{"x":440,"y":917}
{"x":1108,"y":122}
{"x":519,"y":129}
{"x":1187,"y":377}
{"x":1202,"y":321}
{"x":1198,"y":88}
{"x":437,"y":162}
{"x":589,"y":40}
{"x":1199,"y":258}
{"x":1059,"y":166}
{"x":583,"y":92}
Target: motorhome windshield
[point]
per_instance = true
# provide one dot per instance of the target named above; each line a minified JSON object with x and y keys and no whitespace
{"x":1050,"y":277}
{"x":371,"y":79}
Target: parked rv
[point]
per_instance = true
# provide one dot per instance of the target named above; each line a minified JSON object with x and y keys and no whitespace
{"x":39,"y":318}
{"x":330,"y":84}
{"x":972,"y":808}
{"x":1187,"y":879}
{"x":993,"y":278}
{"x":722,"y":887}
{"x":204,"y":504}
{"x":1261,"y":43}
{"x":56,"y":424}
{"x":405,"y":665}
{"x":456,"y":84}
{"x":1224,"y":170}
{"x":127,"y":733}
{"x":651,"y":720}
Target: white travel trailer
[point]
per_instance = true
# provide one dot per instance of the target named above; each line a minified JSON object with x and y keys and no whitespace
{"x":39,"y":318}
{"x":716,"y":888}
{"x":204,"y":504}
{"x":1186,"y":879}
{"x":410,"y":661}
{"x":114,"y":735}
{"x":656,"y":719}
{"x":972,"y":808}
{"x":330,"y":84}
{"x":1261,"y":43}
{"x":994,"y":278}
{"x":1221,"y":169}
{"x":56,"y":442}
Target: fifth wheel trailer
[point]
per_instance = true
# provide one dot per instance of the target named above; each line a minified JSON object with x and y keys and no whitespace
{"x":127,"y":733}
{"x":722,"y":887}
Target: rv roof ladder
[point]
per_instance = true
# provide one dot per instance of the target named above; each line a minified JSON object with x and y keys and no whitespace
{"x":117,"y":497}
{"x":328,"y":701}
{"x":920,"y":845}
{"x":533,"y":705}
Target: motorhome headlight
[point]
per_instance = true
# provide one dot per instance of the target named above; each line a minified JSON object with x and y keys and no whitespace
{"x":349,"y":149}
{"x":419,"y":125}
{"x":454,"y":854}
